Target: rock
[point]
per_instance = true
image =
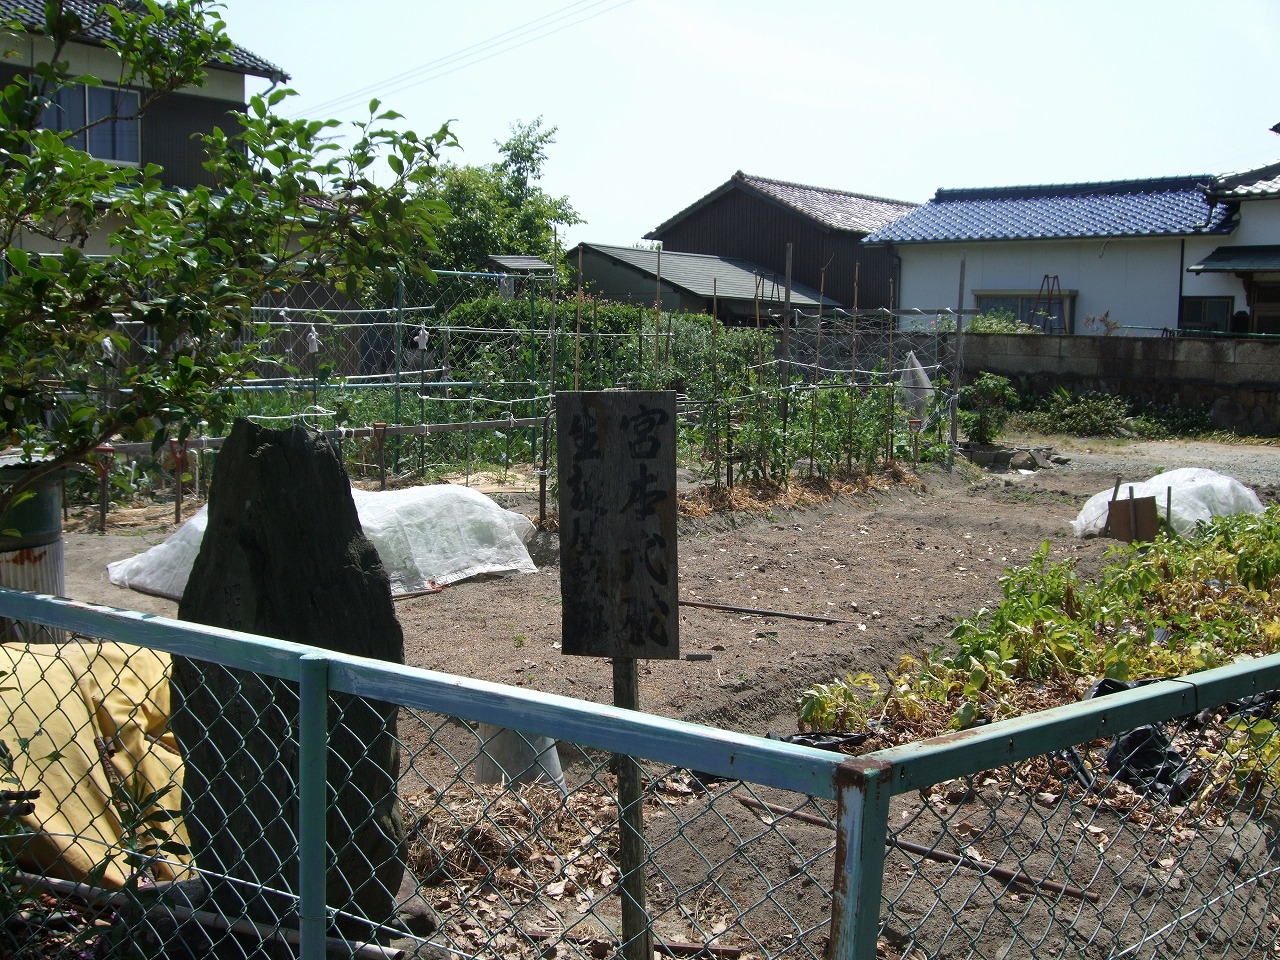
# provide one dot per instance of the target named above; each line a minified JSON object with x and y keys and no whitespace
{"x":1043,"y":459}
{"x":1021,"y":460}
{"x":1060,"y":460}
{"x":414,"y":915}
{"x":284,"y":556}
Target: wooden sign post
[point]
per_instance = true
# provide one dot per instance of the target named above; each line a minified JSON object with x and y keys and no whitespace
{"x":618,"y":575}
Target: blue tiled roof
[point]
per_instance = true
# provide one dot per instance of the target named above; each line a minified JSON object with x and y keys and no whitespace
{"x":1170,"y":206}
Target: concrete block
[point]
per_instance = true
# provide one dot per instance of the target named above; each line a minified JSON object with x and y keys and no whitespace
{"x":1251,"y":374}
{"x":1206,"y":372}
{"x":1261,"y":352}
{"x":1074,"y":365}
{"x":1190,"y":350}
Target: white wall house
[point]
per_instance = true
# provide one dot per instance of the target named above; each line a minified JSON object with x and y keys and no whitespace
{"x":1197,"y":253}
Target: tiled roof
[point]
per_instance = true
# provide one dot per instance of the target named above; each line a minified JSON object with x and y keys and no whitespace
{"x":1170,"y":206}
{"x":694,"y":272}
{"x":1250,"y":185}
{"x":27,"y":12}
{"x":837,"y":209}
{"x":834,"y":209}
{"x":517,"y":263}
{"x":1243,"y":259}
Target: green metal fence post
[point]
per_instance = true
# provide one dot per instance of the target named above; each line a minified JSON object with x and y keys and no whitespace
{"x":864,"y":791}
{"x":313,"y":750}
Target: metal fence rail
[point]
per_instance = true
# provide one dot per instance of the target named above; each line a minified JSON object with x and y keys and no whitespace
{"x":1138,"y":824}
{"x":492,"y":869}
{"x":1143,"y":823}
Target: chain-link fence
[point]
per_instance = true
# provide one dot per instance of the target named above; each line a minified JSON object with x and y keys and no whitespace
{"x":462,"y":384}
{"x":247,"y":797}
{"x":179,"y":806}
{"x":1141,"y":823}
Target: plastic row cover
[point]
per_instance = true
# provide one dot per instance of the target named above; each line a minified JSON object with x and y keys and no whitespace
{"x":1192,"y":494}
{"x":426,"y":537}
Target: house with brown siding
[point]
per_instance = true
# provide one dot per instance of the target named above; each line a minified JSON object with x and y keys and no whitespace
{"x":754,"y":218}
{"x":165,"y":135}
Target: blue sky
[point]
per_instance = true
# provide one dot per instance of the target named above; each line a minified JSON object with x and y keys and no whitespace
{"x":658,"y":102}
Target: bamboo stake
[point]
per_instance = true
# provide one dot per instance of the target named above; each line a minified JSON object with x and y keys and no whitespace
{"x":715,"y":381}
{"x":930,"y":853}
{"x":817,"y":370}
{"x":758,"y":612}
{"x":888,"y":420}
{"x":853,"y":365}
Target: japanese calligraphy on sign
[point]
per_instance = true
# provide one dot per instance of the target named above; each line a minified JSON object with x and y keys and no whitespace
{"x":617,"y":469}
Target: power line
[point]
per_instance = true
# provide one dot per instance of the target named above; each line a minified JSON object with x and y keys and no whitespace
{"x":469,"y":56}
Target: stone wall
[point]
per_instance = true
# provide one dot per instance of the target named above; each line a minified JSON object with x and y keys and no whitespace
{"x":1238,"y":380}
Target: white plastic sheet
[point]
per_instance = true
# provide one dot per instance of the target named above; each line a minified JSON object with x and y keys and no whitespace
{"x":426,"y":536}
{"x":1193,"y":494}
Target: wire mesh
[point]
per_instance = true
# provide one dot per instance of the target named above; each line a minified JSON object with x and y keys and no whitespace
{"x":1158,"y":842}
{"x":167,"y":823}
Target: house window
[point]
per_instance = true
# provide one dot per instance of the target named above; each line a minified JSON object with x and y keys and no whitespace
{"x":1207,"y":313}
{"x":103,"y":121}
{"x":1051,"y":316}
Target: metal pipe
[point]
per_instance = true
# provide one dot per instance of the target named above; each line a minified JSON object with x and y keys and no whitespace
{"x":313,"y":761}
{"x":240,"y":925}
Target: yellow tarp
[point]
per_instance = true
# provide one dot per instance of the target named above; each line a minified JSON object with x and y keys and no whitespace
{"x":58,"y":702}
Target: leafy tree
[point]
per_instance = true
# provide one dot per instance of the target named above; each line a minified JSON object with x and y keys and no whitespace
{"x":292,"y":207}
{"x":498,"y":207}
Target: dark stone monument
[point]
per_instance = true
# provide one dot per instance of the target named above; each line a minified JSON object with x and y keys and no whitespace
{"x":284,"y":556}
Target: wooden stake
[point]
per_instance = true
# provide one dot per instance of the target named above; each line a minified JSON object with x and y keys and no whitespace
{"x":637,"y":936}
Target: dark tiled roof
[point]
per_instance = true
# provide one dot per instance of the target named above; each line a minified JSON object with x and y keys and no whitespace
{"x":28,"y":12}
{"x":1170,"y":206}
{"x":834,"y":209}
{"x":694,"y":272}
{"x":1250,"y":185}
{"x":1244,"y":259}
{"x":514,"y":263}
{"x":837,"y":209}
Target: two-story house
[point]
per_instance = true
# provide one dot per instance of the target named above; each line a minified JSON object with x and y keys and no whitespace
{"x":166,"y":135}
{"x":754,"y":219}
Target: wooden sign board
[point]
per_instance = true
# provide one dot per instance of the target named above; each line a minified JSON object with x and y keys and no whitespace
{"x":616,"y":456}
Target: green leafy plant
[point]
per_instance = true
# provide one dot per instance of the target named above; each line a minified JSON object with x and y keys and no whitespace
{"x":1173,"y":607}
{"x":846,"y":704}
{"x":999,"y":321}
{"x":185,"y":266}
{"x":987,"y":404}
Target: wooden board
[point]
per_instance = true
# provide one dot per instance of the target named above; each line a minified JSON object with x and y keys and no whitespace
{"x":616,"y":453}
{"x":1131,"y":519}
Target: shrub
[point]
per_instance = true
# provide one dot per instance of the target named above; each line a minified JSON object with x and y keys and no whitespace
{"x":986,"y":405}
{"x":1094,"y":414}
{"x":999,"y":321}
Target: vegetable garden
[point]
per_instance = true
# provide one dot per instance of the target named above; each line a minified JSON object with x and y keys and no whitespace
{"x":463,"y":384}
